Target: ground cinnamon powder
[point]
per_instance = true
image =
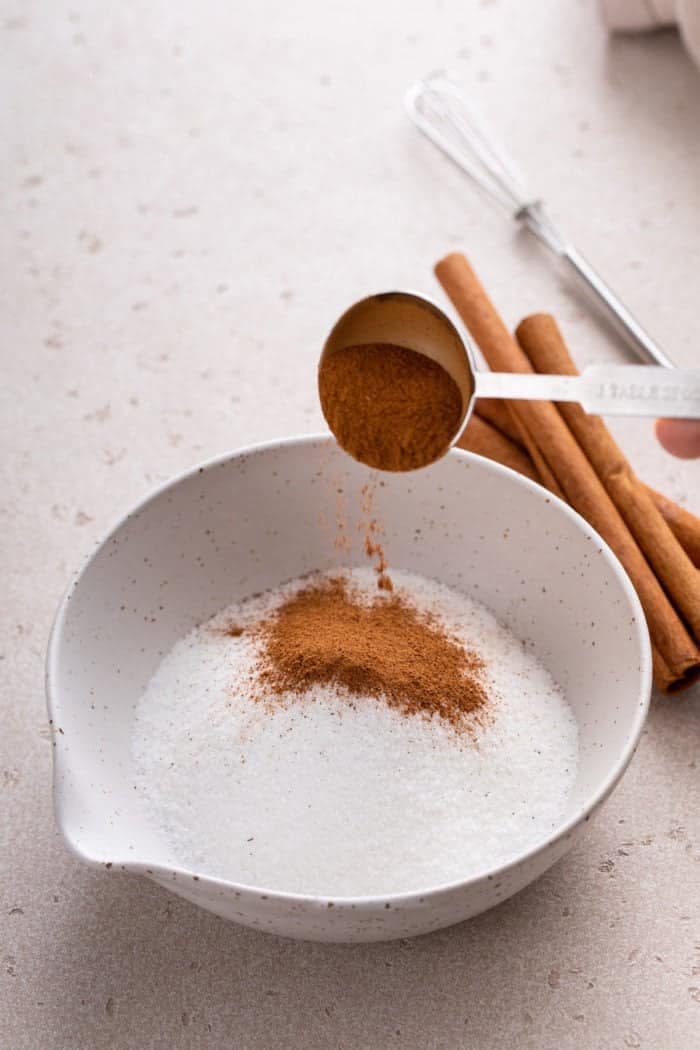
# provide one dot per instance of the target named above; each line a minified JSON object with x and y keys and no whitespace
{"x":390,"y":407}
{"x":384,"y":648}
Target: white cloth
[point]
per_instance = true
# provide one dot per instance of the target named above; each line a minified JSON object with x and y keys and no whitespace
{"x":628,"y":16}
{"x":633,"y":15}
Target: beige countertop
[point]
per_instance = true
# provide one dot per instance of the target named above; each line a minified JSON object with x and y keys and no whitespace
{"x":191,"y":193}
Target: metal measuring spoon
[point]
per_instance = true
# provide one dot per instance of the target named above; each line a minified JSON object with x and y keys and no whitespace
{"x":414,"y":322}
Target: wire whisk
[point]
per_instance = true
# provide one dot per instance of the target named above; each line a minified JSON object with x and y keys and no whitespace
{"x":439,"y":108}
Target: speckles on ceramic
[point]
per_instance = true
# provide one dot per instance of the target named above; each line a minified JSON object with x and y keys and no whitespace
{"x":231,"y":528}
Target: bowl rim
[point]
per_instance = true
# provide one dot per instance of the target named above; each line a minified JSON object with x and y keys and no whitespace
{"x":159,"y":872}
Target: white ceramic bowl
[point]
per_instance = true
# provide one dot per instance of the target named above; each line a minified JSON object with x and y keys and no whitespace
{"x":250,"y":520}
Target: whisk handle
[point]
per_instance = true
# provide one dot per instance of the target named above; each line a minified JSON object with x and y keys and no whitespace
{"x":628,"y":326}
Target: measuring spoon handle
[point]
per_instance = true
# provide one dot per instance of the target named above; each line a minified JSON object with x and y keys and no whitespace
{"x":612,"y":390}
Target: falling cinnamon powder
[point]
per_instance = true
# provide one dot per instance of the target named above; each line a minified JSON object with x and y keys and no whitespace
{"x":372,"y":530}
{"x":325,"y":634}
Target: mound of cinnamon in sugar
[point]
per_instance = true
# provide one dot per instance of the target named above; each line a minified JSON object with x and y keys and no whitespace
{"x":325,"y":634}
{"x":390,"y":407}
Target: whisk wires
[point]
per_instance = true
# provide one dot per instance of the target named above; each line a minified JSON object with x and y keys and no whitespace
{"x":438,"y":107}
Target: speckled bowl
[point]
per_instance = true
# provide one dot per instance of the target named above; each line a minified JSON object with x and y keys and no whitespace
{"x":251,"y":519}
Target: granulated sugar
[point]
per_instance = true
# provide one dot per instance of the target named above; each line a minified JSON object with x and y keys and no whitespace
{"x":344,"y":796}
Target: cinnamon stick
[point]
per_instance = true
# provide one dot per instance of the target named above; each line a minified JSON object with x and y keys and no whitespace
{"x":484,"y":439}
{"x":546,"y":475}
{"x":684,"y":525}
{"x":498,"y":414}
{"x":542,"y":341}
{"x":567,"y":462}
{"x":664,"y":679}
